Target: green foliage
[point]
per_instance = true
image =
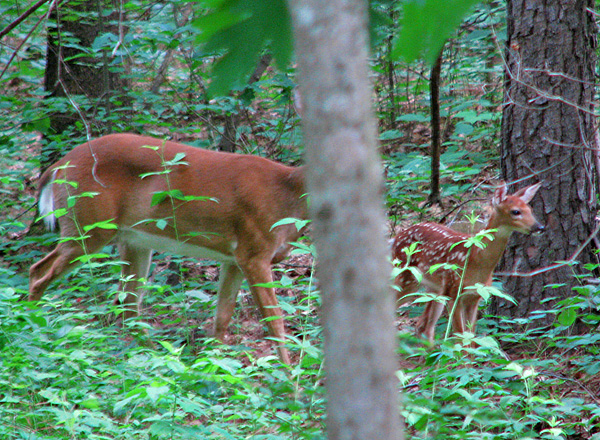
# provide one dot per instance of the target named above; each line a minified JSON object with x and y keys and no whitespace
{"x":65,"y":373}
{"x":458,"y":392}
{"x":426,"y":25}
{"x":242,"y":29}
{"x":490,"y":397}
{"x":409,"y":175}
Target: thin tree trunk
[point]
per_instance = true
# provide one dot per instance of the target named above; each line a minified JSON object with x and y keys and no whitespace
{"x":548,"y":131}
{"x":345,"y":182}
{"x":436,"y":136}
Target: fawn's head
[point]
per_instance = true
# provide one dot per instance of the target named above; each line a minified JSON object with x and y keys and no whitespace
{"x":512,"y":212}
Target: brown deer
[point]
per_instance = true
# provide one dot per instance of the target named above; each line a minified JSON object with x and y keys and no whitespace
{"x":162,"y":195}
{"x":438,"y":244}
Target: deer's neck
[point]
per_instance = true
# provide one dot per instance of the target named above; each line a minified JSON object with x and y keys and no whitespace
{"x":488,"y":257}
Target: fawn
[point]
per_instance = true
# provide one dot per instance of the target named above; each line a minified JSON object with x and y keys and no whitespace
{"x":438,"y":244}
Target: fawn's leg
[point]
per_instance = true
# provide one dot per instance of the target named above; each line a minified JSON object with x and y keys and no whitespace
{"x":428,"y":320}
{"x":471,"y":309}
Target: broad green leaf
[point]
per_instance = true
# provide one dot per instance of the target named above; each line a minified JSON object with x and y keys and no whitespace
{"x":161,"y":224}
{"x":464,"y":128}
{"x":567,"y":317}
{"x":390,"y":135}
{"x":413,"y":117}
{"x":157,"y":390}
{"x":159,"y":196}
{"x":241,"y":30}
{"x":42,"y":125}
{"x":426,"y":25}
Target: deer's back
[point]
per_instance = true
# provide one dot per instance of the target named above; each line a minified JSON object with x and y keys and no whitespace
{"x":436,"y":244}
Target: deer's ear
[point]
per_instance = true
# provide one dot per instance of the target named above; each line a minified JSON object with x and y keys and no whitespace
{"x":526,"y":194}
{"x":499,"y":195}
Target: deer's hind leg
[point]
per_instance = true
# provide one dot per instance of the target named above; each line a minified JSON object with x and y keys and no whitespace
{"x":428,"y":320}
{"x":63,"y":258}
{"x":136,"y":264}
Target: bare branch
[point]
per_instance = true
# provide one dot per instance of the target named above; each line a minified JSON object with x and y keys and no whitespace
{"x":22,"y":17}
{"x":12,"y":57}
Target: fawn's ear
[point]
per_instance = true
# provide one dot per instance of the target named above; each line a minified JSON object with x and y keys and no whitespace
{"x":499,"y":195}
{"x":526,"y":194}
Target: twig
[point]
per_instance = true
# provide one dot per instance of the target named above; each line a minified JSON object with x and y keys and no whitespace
{"x":23,"y":16}
{"x":52,"y":5}
{"x":570,"y":379}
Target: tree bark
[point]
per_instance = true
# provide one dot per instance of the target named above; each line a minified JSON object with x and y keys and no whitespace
{"x":548,"y":134}
{"x":70,"y":71}
{"x":345,"y":182}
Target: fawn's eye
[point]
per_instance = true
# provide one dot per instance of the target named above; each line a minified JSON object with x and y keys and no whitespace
{"x":515,"y":212}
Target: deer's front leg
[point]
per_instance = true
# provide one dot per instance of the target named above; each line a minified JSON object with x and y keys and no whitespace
{"x":258,"y":271}
{"x":230,"y":280}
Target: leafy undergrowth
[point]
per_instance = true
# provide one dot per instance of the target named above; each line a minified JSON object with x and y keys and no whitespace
{"x":487,"y":393}
{"x":66,"y":373}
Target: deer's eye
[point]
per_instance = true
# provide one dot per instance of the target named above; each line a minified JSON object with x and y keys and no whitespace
{"x":515,"y":212}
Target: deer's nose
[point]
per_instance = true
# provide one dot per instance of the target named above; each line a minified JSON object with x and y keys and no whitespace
{"x":538,"y":228}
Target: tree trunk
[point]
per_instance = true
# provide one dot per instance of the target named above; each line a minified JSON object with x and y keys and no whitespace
{"x":436,"y":133}
{"x":345,"y":182}
{"x":548,"y":131}
{"x":70,"y":71}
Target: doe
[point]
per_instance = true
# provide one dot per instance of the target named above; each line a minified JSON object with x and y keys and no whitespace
{"x":150,"y":194}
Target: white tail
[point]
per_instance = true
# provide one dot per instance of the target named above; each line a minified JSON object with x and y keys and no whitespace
{"x":438,"y":244}
{"x":176,"y":198}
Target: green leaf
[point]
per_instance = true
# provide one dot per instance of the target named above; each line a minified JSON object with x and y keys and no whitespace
{"x":157,"y":390}
{"x":105,"y":224}
{"x":567,"y":317}
{"x":191,"y":198}
{"x":159,"y":196}
{"x":161,"y":224}
{"x":425,"y":27}
{"x":390,"y":135}
{"x":413,"y":117}
{"x":241,"y":30}
{"x":177,"y":160}
{"x":91,"y":403}
{"x":289,"y":221}
{"x":42,"y":125}
{"x":463,"y":128}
